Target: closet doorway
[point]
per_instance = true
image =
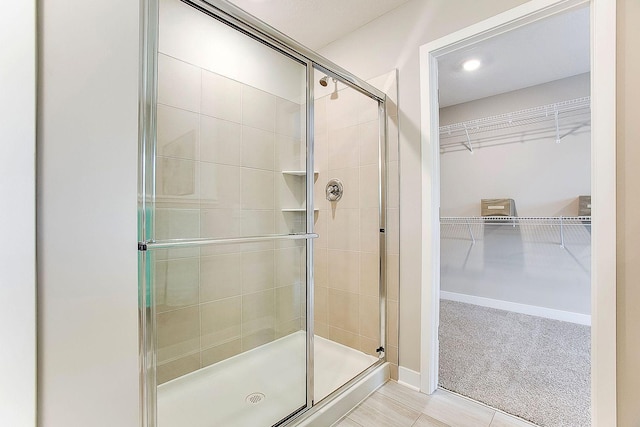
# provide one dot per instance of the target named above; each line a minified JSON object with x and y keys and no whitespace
{"x":507,"y":259}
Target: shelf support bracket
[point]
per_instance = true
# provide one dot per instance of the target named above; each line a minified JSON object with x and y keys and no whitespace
{"x":557,"y":128}
{"x":469,"y":146}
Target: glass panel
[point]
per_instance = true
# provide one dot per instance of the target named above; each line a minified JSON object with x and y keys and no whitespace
{"x":231,"y":132}
{"x":347,"y":251}
{"x":230,"y":319}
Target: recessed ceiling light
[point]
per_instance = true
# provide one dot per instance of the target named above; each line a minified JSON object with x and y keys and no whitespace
{"x":471,"y":65}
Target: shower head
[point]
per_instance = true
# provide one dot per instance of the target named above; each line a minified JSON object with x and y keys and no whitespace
{"x":324,"y":81}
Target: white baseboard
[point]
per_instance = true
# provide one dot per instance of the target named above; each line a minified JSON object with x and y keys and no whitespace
{"x":549,"y":313}
{"x":409,"y":378}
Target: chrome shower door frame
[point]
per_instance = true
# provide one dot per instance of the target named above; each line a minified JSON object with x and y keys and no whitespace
{"x":258,"y":30}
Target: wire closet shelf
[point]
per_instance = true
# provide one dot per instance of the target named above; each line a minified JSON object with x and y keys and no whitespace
{"x":550,"y":112}
{"x":559,"y":223}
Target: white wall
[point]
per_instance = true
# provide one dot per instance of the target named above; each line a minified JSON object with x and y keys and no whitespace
{"x":525,"y":264}
{"x":544,"y":178}
{"x":87,"y":181}
{"x":392,"y":41}
{"x":17,"y":228}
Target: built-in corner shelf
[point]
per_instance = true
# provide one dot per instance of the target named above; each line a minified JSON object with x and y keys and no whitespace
{"x":297,"y":173}
{"x":298,"y":210}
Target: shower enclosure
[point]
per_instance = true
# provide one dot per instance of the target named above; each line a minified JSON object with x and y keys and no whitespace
{"x":262,"y":291}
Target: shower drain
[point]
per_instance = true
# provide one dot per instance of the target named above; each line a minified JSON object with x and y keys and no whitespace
{"x":255,"y":398}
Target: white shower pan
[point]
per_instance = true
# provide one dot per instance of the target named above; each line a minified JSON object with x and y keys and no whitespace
{"x":260,"y":387}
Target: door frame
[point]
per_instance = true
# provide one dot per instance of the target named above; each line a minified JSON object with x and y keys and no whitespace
{"x":603,"y":187}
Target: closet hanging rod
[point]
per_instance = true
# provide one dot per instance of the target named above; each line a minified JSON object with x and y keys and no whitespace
{"x":515,"y":118}
{"x":517,"y":220}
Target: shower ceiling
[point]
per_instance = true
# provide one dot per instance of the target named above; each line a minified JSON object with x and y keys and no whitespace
{"x":316,"y":23}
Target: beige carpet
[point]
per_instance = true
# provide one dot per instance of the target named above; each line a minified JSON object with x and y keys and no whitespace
{"x":531,"y":367}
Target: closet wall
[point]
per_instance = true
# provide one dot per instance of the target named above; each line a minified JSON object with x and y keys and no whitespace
{"x":522,"y":163}
{"x":526,"y":264}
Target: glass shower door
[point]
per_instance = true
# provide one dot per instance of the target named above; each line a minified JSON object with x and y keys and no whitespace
{"x":227,"y":262}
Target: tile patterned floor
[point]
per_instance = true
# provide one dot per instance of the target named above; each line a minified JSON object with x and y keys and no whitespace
{"x":394,"y":405}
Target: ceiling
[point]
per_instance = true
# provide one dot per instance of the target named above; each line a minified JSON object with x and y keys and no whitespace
{"x":543,"y":51}
{"x":316,"y":23}
{"x":540,"y":52}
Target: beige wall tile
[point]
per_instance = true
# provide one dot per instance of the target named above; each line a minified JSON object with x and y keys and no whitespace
{"x":176,"y":283}
{"x":370,"y":230}
{"x":258,"y":223}
{"x":177,"y":224}
{"x":343,"y":148}
{"x":370,"y":317}
{"x":320,"y":227}
{"x":220,"y":186}
{"x":258,"y":109}
{"x":258,"y":148}
{"x":351,"y":183}
{"x":343,"y":337}
{"x":344,"y":230}
{"x":343,"y":110}
{"x":178,"y":333}
{"x":343,"y":310}
{"x":258,"y":271}
{"x":257,"y":189}
{"x":319,"y":192}
{"x":369,"y":274}
{"x":177,"y":183}
{"x":221,"y":352}
{"x":288,"y":303}
{"x":220,"y":223}
{"x":220,"y":277}
{"x":221,"y":321}
{"x":369,"y":187}
{"x":221,"y":97}
{"x":258,"y":314}
{"x":290,"y":118}
{"x":321,"y":153}
{"x":177,"y":133}
{"x":392,"y":354}
{"x":393,"y":277}
{"x":393,"y":371}
{"x":344,"y":270}
{"x":320,"y":115}
{"x":392,"y":323}
{"x":177,"y":368}
{"x":322,"y":330}
{"x":290,"y":153}
{"x":178,"y":84}
{"x":261,"y":337}
{"x":369,"y":140}
{"x":287,"y":328}
{"x":220,"y":141}
{"x":321,"y":296}
{"x":367,"y":110}
{"x":393,"y":232}
{"x":369,"y":346}
{"x":320,"y":267}
{"x":289,"y":263}
{"x":291,"y":191}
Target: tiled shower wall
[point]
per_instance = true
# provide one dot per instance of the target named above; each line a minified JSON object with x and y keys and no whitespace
{"x":346,"y":253}
{"x":221,"y":149}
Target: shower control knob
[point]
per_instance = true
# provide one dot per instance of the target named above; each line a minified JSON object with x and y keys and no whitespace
{"x":334,"y":190}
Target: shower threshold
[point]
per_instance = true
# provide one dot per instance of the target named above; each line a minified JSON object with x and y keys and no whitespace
{"x":259,"y":387}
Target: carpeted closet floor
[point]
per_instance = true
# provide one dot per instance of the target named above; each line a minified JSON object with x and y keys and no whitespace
{"x":535,"y":368}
